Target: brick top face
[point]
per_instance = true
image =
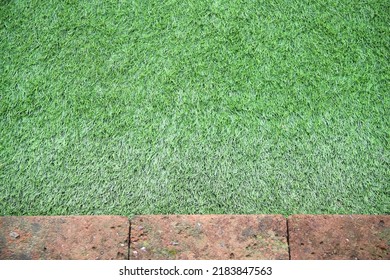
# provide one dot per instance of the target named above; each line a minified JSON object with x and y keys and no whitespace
{"x":197,"y":237}
{"x":339,"y":237}
{"x":66,"y":238}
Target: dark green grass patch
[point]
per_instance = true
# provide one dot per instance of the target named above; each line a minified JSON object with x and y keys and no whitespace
{"x":129,"y":107}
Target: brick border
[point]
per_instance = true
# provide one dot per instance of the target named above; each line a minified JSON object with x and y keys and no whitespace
{"x":298,"y":237}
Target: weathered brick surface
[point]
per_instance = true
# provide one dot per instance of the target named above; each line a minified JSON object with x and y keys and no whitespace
{"x":209,"y":237}
{"x":333,"y":237}
{"x":70,"y":237}
{"x":196,"y":237}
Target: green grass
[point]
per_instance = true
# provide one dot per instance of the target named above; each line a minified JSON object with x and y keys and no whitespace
{"x":128,"y":107}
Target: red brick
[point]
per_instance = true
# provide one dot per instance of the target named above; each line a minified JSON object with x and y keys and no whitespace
{"x":209,"y":237}
{"x":70,"y":237}
{"x":339,"y":237}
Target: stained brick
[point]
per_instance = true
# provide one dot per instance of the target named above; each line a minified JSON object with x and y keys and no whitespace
{"x":60,"y":237}
{"x":209,"y":237}
{"x":343,"y":237}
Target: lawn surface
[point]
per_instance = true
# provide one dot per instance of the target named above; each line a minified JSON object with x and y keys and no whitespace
{"x":129,"y":107}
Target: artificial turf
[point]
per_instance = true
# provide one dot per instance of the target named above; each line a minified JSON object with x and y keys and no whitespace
{"x":243,"y":106}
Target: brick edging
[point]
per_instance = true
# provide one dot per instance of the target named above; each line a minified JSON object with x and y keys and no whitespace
{"x":196,"y":237}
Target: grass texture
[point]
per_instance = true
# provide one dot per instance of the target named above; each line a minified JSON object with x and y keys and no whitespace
{"x":200,"y":106}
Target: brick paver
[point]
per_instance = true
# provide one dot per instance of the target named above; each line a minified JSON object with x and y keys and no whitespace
{"x":196,"y":237}
{"x":209,"y":237}
{"x":70,"y":237}
{"x":345,"y":237}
